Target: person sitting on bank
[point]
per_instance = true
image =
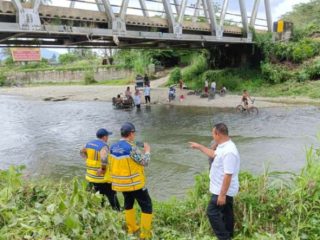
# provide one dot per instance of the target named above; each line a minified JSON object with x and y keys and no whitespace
{"x":128,"y":176}
{"x":223,"y":90}
{"x":96,"y":153}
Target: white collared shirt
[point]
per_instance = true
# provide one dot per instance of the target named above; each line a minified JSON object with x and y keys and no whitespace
{"x":226,"y":161}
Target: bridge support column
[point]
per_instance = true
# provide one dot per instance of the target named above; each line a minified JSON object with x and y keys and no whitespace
{"x":117,"y":24}
{"x":144,"y":8}
{"x":268,"y":14}
{"x":72,"y":4}
{"x":223,"y":12}
{"x":196,"y":11}
{"x":215,"y":28}
{"x":174,"y":27}
{"x":28,"y":18}
{"x":244,"y":17}
{"x":177,"y":6}
{"x":254,"y":13}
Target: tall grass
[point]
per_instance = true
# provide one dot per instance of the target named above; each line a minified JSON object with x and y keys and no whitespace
{"x":270,"y":206}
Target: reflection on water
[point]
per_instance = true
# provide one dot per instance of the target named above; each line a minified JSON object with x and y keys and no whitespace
{"x":47,"y":136}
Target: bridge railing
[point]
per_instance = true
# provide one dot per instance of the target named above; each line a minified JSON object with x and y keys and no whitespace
{"x":181,"y":20}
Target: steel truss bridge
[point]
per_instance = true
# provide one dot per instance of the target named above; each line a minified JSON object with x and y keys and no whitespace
{"x":129,"y":23}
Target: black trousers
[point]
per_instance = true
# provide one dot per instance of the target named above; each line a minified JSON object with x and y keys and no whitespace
{"x":221,"y":218}
{"x":142,"y":197}
{"x":147,"y":98}
{"x":106,"y":190}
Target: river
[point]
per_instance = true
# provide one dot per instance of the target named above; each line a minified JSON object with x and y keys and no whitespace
{"x":46,"y":137}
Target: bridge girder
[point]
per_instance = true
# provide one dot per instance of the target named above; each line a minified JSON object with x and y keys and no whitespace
{"x":30,"y":20}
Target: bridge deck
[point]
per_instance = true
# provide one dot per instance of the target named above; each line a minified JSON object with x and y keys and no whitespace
{"x":63,"y":13}
{"x":69,"y":27}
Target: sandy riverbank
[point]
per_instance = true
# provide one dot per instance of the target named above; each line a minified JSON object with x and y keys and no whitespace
{"x":158,"y":95}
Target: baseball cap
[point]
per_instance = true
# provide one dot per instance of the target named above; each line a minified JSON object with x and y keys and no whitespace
{"x":127,"y":128}
{"x":102,"y":132}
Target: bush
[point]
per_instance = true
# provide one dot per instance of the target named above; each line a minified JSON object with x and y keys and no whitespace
{"x":295,"y":51}
{"x":175,"y":76}
{"x":275,"y":74}
{"x":3,"y":79}
{"x":302,"y":76}
{"x":193,"y":72}
{"x":270,"y":206}
{"x":89,"y":78}
{"x":67,"y":58}
{"x":232,"y":79}
{"x":303,"y":50}
{"x":314,"y":71}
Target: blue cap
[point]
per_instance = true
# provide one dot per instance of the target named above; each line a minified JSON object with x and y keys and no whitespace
{"x":102,"y":132}
{"x":127,"y":128}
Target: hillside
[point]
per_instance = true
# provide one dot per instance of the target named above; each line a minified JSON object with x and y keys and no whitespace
{"x":304,"y":15}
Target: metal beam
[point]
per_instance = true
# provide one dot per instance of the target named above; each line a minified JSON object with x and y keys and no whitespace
{"x":176,"y":4}
{"x":182,"y":11}
{"x":123,"y":9}
{"x":72,"y":3}
{"x":254,"y":13}
{"x":99,"y":5}
{"x":169,"y":15}
{"x":36,"y":5}
{"x":215,"y":29}
{"x":223,"y":12}
{"x":144,"y":8}
{"x":205,"y":9}
{"x":17,"y":5}
{"x":268,"y":14}
{"x":244,"y":16}
{"x":108,"y":10}
{"x":196,"y":11}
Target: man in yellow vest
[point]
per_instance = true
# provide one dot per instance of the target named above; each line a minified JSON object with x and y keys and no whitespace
{"x":96,"y":153}
{"x":127,"y":174}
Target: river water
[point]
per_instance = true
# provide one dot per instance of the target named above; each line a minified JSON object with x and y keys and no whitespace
{"x":46,"y":138}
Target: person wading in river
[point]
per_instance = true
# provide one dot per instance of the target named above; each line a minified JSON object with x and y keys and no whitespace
{"x":224,"y":183}
{"x":96,"y":154}
{"x":127,"y":174}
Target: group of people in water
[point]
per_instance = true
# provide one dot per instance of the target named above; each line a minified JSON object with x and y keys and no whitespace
{"x":134,"y":99}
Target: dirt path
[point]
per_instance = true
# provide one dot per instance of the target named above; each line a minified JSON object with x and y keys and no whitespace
{"x":159,"y":95}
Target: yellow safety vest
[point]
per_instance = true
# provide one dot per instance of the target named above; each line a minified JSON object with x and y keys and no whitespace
{"x":93,"y":162}
{"x":126,"y":174}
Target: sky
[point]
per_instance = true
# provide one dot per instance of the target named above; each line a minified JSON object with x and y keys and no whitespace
{"x":278,"y":8}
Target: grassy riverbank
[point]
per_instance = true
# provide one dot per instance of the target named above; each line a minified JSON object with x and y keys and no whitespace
{"x":268,"y":207}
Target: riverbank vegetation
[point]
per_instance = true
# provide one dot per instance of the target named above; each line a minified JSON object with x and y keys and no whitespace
{"x":290,"y":68}
{"x":271,"y":206}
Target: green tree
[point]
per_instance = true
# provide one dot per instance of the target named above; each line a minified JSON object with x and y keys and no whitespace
{"x":304,"y":14}
{"x":67,"y":58}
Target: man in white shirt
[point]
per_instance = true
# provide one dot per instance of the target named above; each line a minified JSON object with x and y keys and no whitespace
{"x":224,"y":183}
{"x":213,"y":86}
{"x":147,"y":94}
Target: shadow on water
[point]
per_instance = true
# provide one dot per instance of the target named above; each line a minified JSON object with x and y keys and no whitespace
{"x":47,"y":136}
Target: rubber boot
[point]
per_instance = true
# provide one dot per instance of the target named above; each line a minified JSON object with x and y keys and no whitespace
{"x":131,"y":221}
{"x":145,"y":227}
